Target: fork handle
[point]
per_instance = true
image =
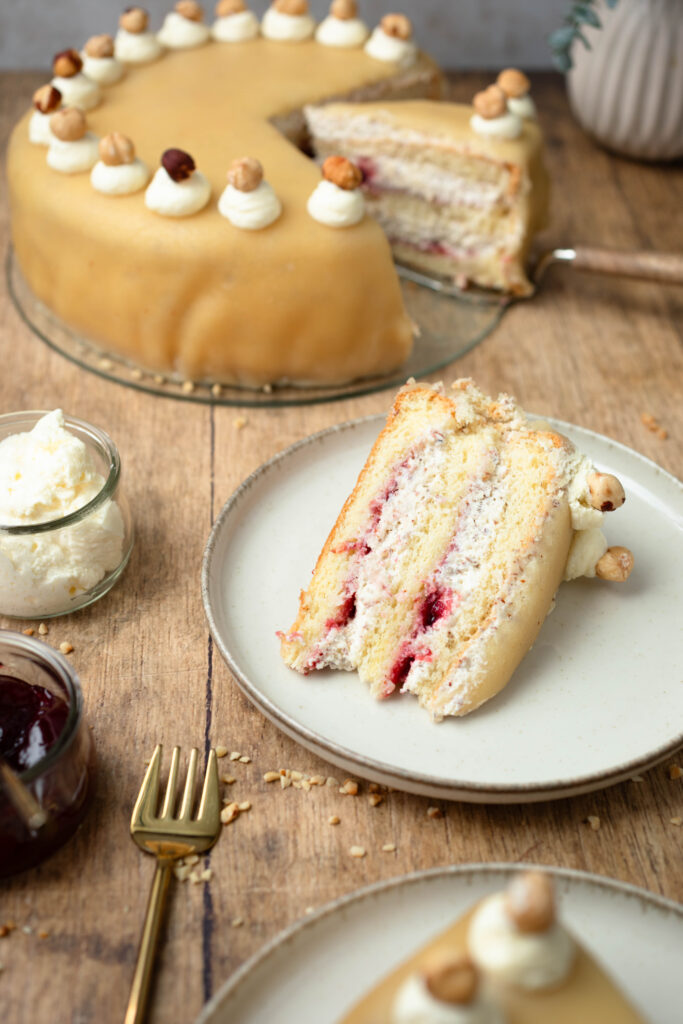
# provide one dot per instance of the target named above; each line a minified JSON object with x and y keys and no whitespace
{"x":139,"y":992}
{"x":665,"y":267}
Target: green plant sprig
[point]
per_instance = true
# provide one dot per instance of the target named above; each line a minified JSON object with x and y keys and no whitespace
{"x":562,"y":40}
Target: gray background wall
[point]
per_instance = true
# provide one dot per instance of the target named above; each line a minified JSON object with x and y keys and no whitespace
{"x":459,"y":33}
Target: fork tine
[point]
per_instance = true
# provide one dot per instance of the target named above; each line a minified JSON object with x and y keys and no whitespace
{"x":188,"y":793}
{"x":209,"y":805}
{"x":169,"y":799}
{"x":148,"y":797}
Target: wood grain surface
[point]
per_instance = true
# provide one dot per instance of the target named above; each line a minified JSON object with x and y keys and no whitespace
{"x":592,"y":350}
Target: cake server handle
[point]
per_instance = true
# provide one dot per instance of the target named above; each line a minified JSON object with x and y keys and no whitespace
{"x":665,"y":267}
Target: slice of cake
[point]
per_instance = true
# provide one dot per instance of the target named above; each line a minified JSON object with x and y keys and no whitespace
{"x":459,"y":194}
{"x":445,"y":559}
{"x":509,"y":960}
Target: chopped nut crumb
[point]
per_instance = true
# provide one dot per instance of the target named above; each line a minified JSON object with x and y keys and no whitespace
{"x":106,"y":364}
{"x":237,"y":922}
{"x":158,"y":379}
{"x":267,"y":388}
{"x":662,"y":434}
{"x":675,"y":772}
{"x":182,"y":871}
{"x":376,"y":799}
{"x":271,"y":776}
{"x":43,"y":935}
{"x":285,"y":782}
{"x":187,"y":386}
{"x":374,"y":788}
{"x":191,"y":859}
{"x":245,"y":759}
{"x":676,"y":821}
{"x":195,"y":877}
{"x":350,"y":787}
{"x":594,"y":821}
{"x":221,"y":751}
{"x":235,"y":755}
{"x":331,"y":781}
{"x":296,"y":784}
{"x":648,"y":420}
{"x":229,"y":813}
{"x":43,"y":630}
{"x":228,"y":779}
{"x":136,"y":374}
{"x":27,"y":930}
{"x":216,"y":390}
{"x":389,"y":848}
{"x":65,"y":647}
{"x":434,"y":812}
{"x":333,"y":819}
{"x":357,"y":851}
{"x":28,"y":632}
{"x":4,"y":931}
{"x":206,"y":875}
{"x":306,"y":785}
{"x":309,"y":910}
{"x":317,"y":780}
{"x":296,"y":776}
{"x":245,"y":805}
{"x":240,"y":423}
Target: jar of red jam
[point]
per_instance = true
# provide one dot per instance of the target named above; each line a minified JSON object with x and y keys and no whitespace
{"x":47,"y":744}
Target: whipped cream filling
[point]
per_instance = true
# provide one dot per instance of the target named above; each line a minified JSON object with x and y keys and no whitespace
{"x":103,"y":70}
{"x":78,"y":91}
{"x":178,"y":33}
{"x":39,"y":132}
{"x":73,"y":157}
{"x":119,"y":179}
{"x":431,"y":182}
{"x":336,"y":207}
{"x":528,"y":960}
{"x":250,"y":210}
{"x":587,"y":548}
{"x":414,"y":1004}
{"x":177,"y":198}
{"x":235,"y":28}
{"x":287,"y":28}
{"x":387,"y":48}
{"x":507,"y":126}
{"x":523,"y":106}
{"x":342,"y":33}
{"x":136,"y":47}
{"x":46,"y":474}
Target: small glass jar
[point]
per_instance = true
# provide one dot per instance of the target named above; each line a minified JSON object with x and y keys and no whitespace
{"x":62,"y":780}
{"x":53,"y":568}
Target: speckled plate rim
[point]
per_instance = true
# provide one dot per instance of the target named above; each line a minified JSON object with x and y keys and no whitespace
{"x":229,"y":988}
{"x":378,"y":771}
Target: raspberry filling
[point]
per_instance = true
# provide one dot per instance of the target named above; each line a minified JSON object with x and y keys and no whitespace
{"x":344,"y":614}
{"x":435,"y":606}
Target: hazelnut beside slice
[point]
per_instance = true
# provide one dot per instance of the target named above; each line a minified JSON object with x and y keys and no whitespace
{"x":178,"y":164}
{"x":47,"y":99}
{"x":453,"y":982}
{"x":224,"y":8}
{"x":69,"y":124}
{"x":245,"y":174}
{"x":134,"y":20}
{"x":530,"y":902}
{"x":292,"y":7}
{"x":189,"y":9}
{"x":342,"y":172}
{"x":490,"y":103}
{"x":67,"y":64}
{"x":615,"y":565}
{"x":344,"y":10}
{"x":514,"y":83}
{"x":397,"y":25}
{"x":116,"y":149}
{"x":99,"y":46}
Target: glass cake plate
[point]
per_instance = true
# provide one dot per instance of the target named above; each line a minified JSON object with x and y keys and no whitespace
{"x":449,"y":323}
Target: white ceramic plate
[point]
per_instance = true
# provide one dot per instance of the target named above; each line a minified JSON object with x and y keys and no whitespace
{"x":597,"y":699}
{"x":317,"y":970}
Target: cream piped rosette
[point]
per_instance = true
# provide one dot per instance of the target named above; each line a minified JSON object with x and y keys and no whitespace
{"x":492,"y":117}
{"x":338,"y":201}
{"x":447,"y":993}
{"x":391,"y":42}
{"x":177,"y":189}
{"x":76,"y":88}
{"x":183,"y":27}
{"x":288,"y":21}
{"x":234,"y":22}
{"x":73,"y":149}
{"x":342,"y":27}
{"x":248,"y":201}
{"x":118,"y":172}
{"x":516,"y":86}
{"x":134,"y":43}
{"x":99,"y":62}
{"x":46,"y":100}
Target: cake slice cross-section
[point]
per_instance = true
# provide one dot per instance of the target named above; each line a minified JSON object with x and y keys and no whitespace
{"x":446,"y":557}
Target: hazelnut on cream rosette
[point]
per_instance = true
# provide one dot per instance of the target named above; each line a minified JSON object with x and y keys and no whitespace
{"x":448,"y":993}
{"x":118,"y":172}
{"x":184,"y":27}
{"x":76,"y":88}
{"x":46,"y":100}
{"x":391,"y":41}
{"x":492,"y":116}
{"x":516,"y":87}
{"x":342,"y":27}
{"x":73,"y":148}
{"x":234,"y":22}
{"x":288,"y":21}
{"x":338,"y":201}
{"x":515,"y":938}
{"x":177,"y":189}
{"x":99,"y":62}
{"x":591,"y":494}
{"x":248,"y":201}
{"x":134,"y":43}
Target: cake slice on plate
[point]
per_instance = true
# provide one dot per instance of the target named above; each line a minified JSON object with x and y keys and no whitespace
{"x":446,"y":557}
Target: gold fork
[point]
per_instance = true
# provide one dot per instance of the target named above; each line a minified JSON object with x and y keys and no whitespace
{"x":168,"y":838}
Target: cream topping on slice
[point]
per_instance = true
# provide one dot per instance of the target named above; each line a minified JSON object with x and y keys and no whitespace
{"x":392,"y":41}
{"x":338,"y":201}
{"x":419,"y":1002}
{"x":492,"y":116}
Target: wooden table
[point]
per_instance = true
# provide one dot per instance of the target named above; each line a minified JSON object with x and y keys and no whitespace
{"x":595,"y":352}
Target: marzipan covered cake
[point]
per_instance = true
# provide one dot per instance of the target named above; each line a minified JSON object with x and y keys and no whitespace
{"x":445,"y":559}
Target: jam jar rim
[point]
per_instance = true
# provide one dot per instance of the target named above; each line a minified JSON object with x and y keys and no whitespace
{"x":58,"y":664}
{"x":101,"y":439}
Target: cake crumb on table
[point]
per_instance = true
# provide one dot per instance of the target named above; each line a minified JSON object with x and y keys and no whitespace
{"x":389,"y":848}
{"x":28,"y":632}
{"x":188,"y":386}
{"x":245,"y":805}
{"x":675,"y":772}
{"x":235,"y":755}
{"x":240,"y":423}
{"x":43,"y":630}
{"x":65,"y":647}
{"x":350,"y":787}
{"x":221,"y":751}
{"x":677,"y":820}
{"x":594,"y":821}
{"x":357,"y":851}
{"x":271,"y":776}
{"x":228,"y":779}
{"x":375,"y":799}
{"x":434,"y":812}
{"x":654,"y":426}
{"x":245,"y":759}
{"x":333,"y":819}
{"x":237,"y":922}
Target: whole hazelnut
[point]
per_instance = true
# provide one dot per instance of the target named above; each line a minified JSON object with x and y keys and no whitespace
{"x":344,"y":10}
{"x":116,"y":149}
{"x":454,"y":981}
{"x":100,"y":46}
{"x":293,"y":7}
{"x":134,"y":19}
{"x":224,"y":8}
{"x":530,"y":902}
{"x":190,"y":10}
{"x":245,"y":174}
{"x":606,"y":492}
{"x":47,"y":99}
{"x":615,"y":565}
{"x":342,"y":172}
{"x":67,"y":64}
{"x":513,"y":82}
{"x":490,"y":103}
{"x":397,"y":25}
{"x":178,"y":164}
{"x":69,"y":124}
